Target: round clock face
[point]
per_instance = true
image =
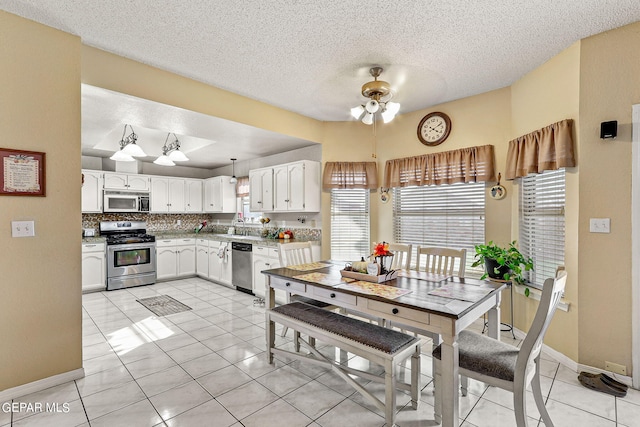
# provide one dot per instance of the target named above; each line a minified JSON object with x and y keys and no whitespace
{"x":434,"y":128}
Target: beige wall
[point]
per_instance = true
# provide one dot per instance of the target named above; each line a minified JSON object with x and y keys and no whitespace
{"x":40,"y":308}
{"x":549,"y":94}
{"x":609,"y":86}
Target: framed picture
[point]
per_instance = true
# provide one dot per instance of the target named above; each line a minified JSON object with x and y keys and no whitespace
{"x":22,"y":173}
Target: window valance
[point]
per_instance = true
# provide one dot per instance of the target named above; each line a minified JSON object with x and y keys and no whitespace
{"x":549,"y":148}
{"x":242,"y":186}
{"x":350,"y":175}
{"x":449,"y":167}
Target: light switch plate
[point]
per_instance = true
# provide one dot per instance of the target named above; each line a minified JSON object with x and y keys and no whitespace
{"x":22,"y":229}
{"x":600,"y":225}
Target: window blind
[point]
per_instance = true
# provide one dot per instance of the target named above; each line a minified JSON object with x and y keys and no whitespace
{"x":542,"y":229}
{"x":350,"y":224}
{"x":450,"y":216}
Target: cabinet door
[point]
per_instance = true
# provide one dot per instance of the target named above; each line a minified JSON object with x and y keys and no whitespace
{"x":159,"y":195}
{"x":212,"y":195}
{"x":215,"y":262}
{"x":186,"y":256}
{"x":202,"y":260}
{"x":115,"y":181}
{"x":255,"y":191}
{"x":93,"y":271}
{"x":296,"y":181}
{"x":225,"y":267}
{"x":166,"y":263}
{"x":138,"y":182}
{"x":280,"y":188}
{"x":266,"y":179}
{"x":193,"y":193}
{"x":176,"y":195}
{"x":92,"y":191}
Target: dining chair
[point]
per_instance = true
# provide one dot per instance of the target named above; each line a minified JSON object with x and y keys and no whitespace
{"x":401,"y":256}
{"x":445,"y":261}
{"x":504,"y":366}
{"x":297,"y":253}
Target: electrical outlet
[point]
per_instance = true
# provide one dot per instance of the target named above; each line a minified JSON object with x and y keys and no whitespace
{"x":22,"y":229}
{"x":615,"y":368}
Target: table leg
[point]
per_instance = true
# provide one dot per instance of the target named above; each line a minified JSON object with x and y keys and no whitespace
{"x":270,"y":298}
{"x":450,"y":382}
{"x":494,"y":320}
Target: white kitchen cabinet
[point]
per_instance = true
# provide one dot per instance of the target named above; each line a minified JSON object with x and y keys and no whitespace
{"x":219,"y":195}
{"x":93,"y":267}
{"x":193,"y":195}
{"x":167,"y":195}
{"x":202,"y":258}
{"x":175,"y":258}
{"x":92,"y":191}
{"x":220,"y":262}
{"x":265,"y":258}
{"x":124,"y":181}
{"x":261,"y":190}
{"x":296,"y":187}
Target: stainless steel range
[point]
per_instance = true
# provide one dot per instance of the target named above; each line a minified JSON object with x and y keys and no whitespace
{"x":131,"y":254}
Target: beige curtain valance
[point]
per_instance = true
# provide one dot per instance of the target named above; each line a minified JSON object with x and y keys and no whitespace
{"x":242,"y":186}
{"x":549,"y":148}
{"x":350,"y":175}
{"x":449,"y":167}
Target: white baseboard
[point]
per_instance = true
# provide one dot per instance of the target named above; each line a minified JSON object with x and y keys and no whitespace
{"x":45,"y":383}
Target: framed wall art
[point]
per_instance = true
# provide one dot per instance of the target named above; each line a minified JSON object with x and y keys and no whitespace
{"x":22,"y":173}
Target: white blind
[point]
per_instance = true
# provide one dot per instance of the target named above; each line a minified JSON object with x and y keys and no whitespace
{"x":542,"y":201}
{"x":349,"y":224}
{"x":448,"y":216}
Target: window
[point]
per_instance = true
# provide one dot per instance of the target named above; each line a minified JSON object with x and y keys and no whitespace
{"x":449,"y":216}
{"x":542,"y":201}
{"x":349,"y":224}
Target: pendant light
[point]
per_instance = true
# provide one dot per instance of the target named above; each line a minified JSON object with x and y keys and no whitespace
{"x":233,"y":179}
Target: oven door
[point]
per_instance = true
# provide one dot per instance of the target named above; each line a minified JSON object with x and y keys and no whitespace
{"x":131,"y":259}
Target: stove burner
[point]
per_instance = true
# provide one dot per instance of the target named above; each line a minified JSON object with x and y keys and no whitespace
{"x":123,"y":239}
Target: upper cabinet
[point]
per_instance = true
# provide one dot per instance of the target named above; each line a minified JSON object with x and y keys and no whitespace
{"x":123,"y":181}
{"x":219,"y":195}
{"x":261,"y":190}
{"x":193,"y":195}
{"x":91,"y":191}
{"x":167,"y":195}
{"x":296,"y":187}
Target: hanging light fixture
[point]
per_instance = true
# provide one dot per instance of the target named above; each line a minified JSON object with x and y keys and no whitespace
{"x":171,"y":153}
{"x":379,"y":94}
{"x":233,"y":179}
{"x":128,"y":147}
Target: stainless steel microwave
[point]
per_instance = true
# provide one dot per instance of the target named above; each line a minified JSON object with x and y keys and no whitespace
{"x":122,"y":201}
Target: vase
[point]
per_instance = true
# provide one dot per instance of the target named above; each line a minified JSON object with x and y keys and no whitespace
{"x":490,"y":266}
{"x":385,"y":262}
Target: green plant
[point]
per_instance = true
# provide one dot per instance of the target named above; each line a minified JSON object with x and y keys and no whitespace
{"x":510,"y":262}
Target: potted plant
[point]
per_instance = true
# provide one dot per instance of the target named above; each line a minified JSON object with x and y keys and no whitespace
{"x":503,"y":263}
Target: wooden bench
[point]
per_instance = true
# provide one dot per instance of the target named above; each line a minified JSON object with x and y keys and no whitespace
{"x":379,"y":345}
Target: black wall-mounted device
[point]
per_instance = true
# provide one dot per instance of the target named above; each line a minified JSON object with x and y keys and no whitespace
{"x":609,"y":129}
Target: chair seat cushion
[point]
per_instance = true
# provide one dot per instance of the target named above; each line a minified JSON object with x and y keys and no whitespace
{"x":487,"y":356}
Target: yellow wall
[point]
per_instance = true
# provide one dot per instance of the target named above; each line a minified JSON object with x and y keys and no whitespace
{"x":40,"y":308}
{"x":549,"y":94}
{"x":609,"y":86}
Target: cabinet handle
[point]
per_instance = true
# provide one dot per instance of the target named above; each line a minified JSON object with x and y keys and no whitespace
{"x":287,"y":200}
{"x":287,"y":284}
{"x":332,"y":295}
{"x":259,"y":202}
{"x":267,"y":264}
{"x":89,"y":246}
{"x":395,"y":311}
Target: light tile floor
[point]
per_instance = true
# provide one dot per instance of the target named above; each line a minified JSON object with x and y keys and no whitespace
{"x":207,"y":367}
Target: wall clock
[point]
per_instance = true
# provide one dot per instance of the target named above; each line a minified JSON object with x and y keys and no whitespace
{"x":434,"y":128}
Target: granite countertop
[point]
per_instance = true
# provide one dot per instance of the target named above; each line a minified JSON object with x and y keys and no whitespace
{"x":211,"y":236}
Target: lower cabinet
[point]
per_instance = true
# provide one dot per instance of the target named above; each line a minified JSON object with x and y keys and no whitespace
{"x":94,"y":277}
{"x":175,"y":258}
{"x":202,"y":258}
{"x":220,"y":262}
{"x":265,"y":258}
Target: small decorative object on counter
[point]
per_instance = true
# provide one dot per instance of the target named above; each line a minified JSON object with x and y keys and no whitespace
{"x":200,"y":226}
{"x":383,"y":257}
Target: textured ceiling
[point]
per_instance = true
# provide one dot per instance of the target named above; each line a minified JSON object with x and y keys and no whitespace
{"x":312,"y":56}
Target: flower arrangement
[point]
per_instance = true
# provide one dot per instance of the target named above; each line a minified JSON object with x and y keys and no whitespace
{"x":381,"y":249}
{"x":383,"y":257}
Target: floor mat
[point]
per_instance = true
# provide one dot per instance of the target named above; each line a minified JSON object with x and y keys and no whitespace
{"x":163,"y":305}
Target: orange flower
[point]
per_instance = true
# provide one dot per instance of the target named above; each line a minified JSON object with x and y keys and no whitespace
{"x":381,"y":249}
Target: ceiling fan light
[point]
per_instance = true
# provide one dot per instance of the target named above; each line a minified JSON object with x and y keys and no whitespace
{"x":164,"y":161}
{"x":372,"y":106}
{"x":134,"y":150}
{"x":387,"y":116}
{"x":392,"y":107}
{"x":356,"y":112}
{"x":178,"y":156}
{"x":120,"y":156}
{"x":368,"y":119}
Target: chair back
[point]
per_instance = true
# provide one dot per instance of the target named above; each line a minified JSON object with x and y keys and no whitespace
{"x":295,"y":253}
{"x":532,"y":345}
{"x":401,"y":256}
{"x":441,"y":260}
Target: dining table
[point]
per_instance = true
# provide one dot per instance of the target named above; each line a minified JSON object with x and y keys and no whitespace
{"x":415,"y":300}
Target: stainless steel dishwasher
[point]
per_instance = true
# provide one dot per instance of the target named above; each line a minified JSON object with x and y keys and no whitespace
{"x":242,"y":266}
